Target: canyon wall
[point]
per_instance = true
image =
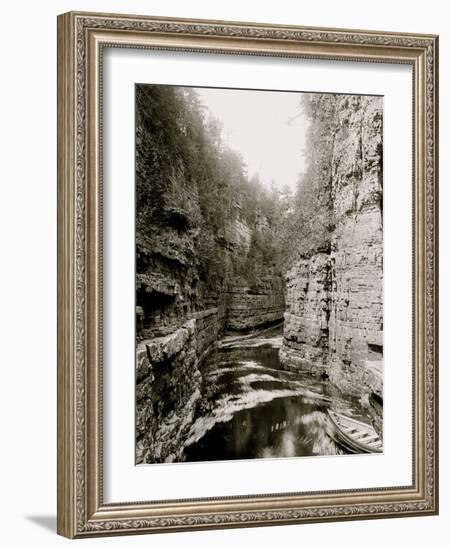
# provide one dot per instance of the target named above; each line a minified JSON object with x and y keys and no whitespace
{"x":260,"y":305}
{"x":334,"y":292}
{"x":167,"y":389}
{"x":255,"y":296}
{"x":195,"y":244}
{"x":179,"y":319}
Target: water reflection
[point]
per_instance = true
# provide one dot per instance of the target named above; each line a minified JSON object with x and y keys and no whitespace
{"x":254,"y":409}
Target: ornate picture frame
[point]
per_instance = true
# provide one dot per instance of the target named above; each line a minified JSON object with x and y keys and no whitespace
{"x":82,"y":39}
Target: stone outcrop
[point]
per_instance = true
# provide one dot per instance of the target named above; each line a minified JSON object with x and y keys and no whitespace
{"x":306,"y":321}
{"x":167,"y":389}
{"x":168,"y":384}
{"x":208,"y":327}
{"x":167,"y":284}
{"x":251,"y":307}
{"x":237,"y":234}
{"x":334,"y":294}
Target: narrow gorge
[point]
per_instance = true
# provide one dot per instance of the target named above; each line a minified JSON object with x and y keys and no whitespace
{"x":221,"y":259}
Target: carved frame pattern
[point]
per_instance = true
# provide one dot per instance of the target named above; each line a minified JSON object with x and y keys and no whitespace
{"x":80,"y":39}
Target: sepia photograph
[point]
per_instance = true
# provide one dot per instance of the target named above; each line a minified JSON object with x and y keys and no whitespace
{"x":259,"y":274}
{"x":247,"y":274}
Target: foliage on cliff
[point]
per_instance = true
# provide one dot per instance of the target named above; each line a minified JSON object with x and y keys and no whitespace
{"x":308,"y":226}
{"x":344,"y":146}
{"x":187,"y":178}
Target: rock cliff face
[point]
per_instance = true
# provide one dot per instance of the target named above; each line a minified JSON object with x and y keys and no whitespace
{"x":179,"y":319}
{"x":259,"y":305}
{"x":308,"y":310}
{"x":334,"y":304}
{"x":188,"y":290}
{"x":262,"y":302}
{"x":166,"y":366}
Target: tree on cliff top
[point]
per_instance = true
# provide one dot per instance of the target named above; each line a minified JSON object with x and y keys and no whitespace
{"x":308,"y":223}
{"x":183,"y":167}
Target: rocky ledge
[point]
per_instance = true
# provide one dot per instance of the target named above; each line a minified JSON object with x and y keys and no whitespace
{"x":334,"y":293}
{"x":168,"y":383}
{"x":250,"y":307}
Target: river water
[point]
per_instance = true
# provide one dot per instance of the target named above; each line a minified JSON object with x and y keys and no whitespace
{"x":254,"y":409}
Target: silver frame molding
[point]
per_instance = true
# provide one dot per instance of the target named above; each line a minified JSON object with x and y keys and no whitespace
{"x":81,"y":37}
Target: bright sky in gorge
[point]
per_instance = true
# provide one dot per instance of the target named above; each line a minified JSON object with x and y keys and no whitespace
{"x":267,"y":128}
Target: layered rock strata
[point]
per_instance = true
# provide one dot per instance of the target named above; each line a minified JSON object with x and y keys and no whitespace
{"x":196,"y":225}
{"x":251,"y":307}
{"x":208,"y":327}
{"x":167,"y":388}
{"x":168,"y":384}
{"x":334,"y":295}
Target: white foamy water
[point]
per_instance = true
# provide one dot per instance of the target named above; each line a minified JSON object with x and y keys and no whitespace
{"x":254,"y":377}
{"x":245,"y":366}
{"x":272,"y":341}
